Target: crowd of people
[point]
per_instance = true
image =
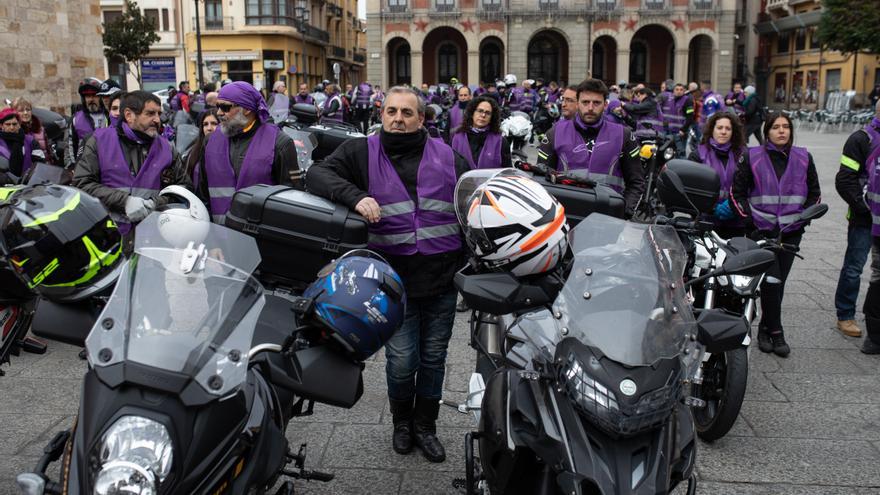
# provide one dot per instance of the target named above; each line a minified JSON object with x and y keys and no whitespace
{"x":401,"y":178}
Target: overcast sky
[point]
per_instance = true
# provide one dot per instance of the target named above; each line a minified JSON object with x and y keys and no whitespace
{"x":362,"y":9}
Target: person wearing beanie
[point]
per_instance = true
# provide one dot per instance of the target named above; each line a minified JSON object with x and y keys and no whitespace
{"x":753,"y":109}
{"x":248,"y":150}
{"x":15,"y":148}
{"x":126,"y":166}
{"x":90,"y":117}
{"x":608,"y":151}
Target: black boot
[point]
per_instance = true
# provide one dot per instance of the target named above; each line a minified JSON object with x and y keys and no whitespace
{"x":780,"y":346}
{"x":425,"y":427}
{"x":764,"y":342}
{"x":871,"y":345}
{"x":402,"y":416}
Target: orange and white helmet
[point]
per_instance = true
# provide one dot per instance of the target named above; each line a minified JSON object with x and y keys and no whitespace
{"x":512,"y":223}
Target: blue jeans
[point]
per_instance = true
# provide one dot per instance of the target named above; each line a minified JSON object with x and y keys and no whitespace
{"x":858,"y":245}
{"x":416,"y":354}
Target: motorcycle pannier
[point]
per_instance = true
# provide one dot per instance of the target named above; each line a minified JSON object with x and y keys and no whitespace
{"x":297,"y":232}
{"x":331,"y":137}
{"x":581,"y":201}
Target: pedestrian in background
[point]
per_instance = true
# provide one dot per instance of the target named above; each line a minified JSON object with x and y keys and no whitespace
{"x":754,"y":114}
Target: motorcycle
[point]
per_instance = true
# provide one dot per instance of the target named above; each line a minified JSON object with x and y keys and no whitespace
{"x":517,"y":128}
{"x":546,"y":115}
{"x":654,"y":152}
{"x":190,"y":389}
{"x":583,"y":385}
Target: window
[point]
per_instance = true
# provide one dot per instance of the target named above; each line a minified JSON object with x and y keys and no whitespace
{"x":812,"y":94}
{"x":490,"y":62}
{"x":166,"y":26}
{"x":548,"y":4}
{"x":110,"y":16}
{"x":397,"y":5}
{"x":447,"y":58}
{"x":832,"y":80}
{"x":702,"y":4}
{"x":779,"y":88}
{"x":445,"y":5}
{"x":240,"y":70}
{"x":655,"y":4}
{"x":797,"y":87}
{"x":814,"y":38}
{"x":800,"y":40}
{"x":402,"y":65}
{"x":153,"y":16}
{"x":214,"y":14}
{"x":492,"y":5}
{"x":270,"y":12}
{"x":782,"y":42}
{"x":606,"y":4}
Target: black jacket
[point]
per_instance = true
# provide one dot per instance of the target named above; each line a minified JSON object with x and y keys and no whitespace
{"x":344,"y":177}
{"x":744,"y":181}
{"x":753,"y":108}
{"x":285,"y":168}
{"x":850,"y":182}
{"x":87,"y":175}
{"x":630,"y":164}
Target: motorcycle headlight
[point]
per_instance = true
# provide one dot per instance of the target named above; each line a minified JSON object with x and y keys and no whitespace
{"x":668,"y":154}
{"x":135,"y":457}
{"x":740,"y":283}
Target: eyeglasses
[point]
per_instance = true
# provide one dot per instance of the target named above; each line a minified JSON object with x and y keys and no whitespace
{"x":226,"y":107}
{"x":483,"y":112}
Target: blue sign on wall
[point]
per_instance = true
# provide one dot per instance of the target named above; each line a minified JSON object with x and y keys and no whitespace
{"x":158,"y":70}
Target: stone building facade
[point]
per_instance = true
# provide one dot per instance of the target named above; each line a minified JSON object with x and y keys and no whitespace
{"x":416,"y":41}
{"x":47,"y":47}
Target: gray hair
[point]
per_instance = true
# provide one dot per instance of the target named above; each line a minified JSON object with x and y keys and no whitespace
{"x":749,"y":90}
{"x":406,"y":91}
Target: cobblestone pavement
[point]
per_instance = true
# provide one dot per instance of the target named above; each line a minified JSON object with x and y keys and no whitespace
{"x":809,"y":424}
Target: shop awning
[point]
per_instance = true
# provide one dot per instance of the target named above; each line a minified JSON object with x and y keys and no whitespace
{"x":789,"y":23}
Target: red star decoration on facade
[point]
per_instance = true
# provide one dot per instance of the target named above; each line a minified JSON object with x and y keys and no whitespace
{"x":631,"y":24}
{"x":679,"y":24}
{"x":421,"y":25}
{"x":468,"y":25}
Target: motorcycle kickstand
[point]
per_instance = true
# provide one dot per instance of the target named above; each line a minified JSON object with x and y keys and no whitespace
{"x":300,"y":472}
{"x":472,"y":477}
{"x":692,"y":484}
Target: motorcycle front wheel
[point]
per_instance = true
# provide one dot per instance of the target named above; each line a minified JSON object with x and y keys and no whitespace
{"x":725,"y":376}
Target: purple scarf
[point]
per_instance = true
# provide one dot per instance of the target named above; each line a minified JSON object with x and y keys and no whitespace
{"x":723,"y":148}
{"x":583,"y":125}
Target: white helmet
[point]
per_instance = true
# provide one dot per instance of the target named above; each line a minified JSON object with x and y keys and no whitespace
{"x":510,"y":79}
{"x":184,"y":218}
{"x":513,"y":224}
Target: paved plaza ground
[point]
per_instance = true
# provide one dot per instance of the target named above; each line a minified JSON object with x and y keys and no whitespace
{"x":810,"y":424}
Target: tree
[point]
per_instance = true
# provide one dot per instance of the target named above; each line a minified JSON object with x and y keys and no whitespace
{"x":850,"y":26}
{"x":130,"y":37}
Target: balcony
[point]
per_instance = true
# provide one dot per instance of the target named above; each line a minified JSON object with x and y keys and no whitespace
{"x":310,"y":31}
{"x":334,"y":10}
{"x":397,"y":6}
{"x":548,"y":5}
{"x":777,"y":5}
{"x":214,"y":23}
{"x":654,"y":5}
{"x":360,"y":57}
{"x":444,"y":6}
{"x":702,"y":4}
{"x":307,"y":30}
{"x":605,"y":5}
{"x":337,"y":51}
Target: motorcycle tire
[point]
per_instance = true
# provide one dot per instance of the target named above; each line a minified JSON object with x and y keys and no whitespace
{"x":725,"y":377}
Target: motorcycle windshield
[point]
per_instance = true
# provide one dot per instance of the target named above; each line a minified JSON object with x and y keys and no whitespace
{"x":190,"y":310}
{"x":624,"y":295}
{"x":305,"y":143}
{"x":185,"y":136}
{"x":180,"y":118}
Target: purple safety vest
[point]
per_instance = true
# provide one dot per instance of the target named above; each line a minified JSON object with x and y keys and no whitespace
{"x":174,"y":103}
{"x":456,"y":116}
{"x":5,"y":152}
{"x":304,"y":99}
{"x":672,"y":110}
{"x":280,"y":102}
{"x":407,"y":228}
{"x":725,"y":171}
{"x":83,"y":125}
{"x":337,"y":116}
{"x":601,"y":161}
{"x":778,"y":202}
{"x":364,"y":92}
{"x":872,"y":164}
{"x":116,"y":172}
{"x":255,"y":169}
{"x":490,"y":154}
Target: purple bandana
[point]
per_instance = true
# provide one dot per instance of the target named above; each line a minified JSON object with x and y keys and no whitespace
{"x":245,"y":96}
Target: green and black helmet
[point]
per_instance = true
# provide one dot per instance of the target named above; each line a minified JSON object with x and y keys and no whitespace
{"x":60,"y":241}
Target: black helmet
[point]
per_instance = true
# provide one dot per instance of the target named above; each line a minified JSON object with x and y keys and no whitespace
{"x":60,"y":241}
{"x":89,"y":87}
{"x":109,"y":87}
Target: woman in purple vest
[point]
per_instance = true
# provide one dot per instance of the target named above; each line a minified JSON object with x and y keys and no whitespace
{"x":208,"y":123}
{"x":478,"y":139}
{"x":723,"y":148}
{"x":770,"y":190}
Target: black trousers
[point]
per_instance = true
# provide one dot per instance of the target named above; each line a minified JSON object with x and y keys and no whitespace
{"x":773,"y":293}
{"x":756,"y":131}
{"x":872,"y":298}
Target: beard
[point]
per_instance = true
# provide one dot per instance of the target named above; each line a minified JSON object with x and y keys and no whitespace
{"x":234,"y":125}
{"x":93,"y":107}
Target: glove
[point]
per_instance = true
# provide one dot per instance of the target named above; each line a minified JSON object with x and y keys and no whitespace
{"x":136,"y":209}
{"x":723,"y":210}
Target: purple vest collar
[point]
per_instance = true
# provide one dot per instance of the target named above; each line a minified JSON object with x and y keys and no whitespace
{"x":490,"y":153}
{"x":600,"y":157}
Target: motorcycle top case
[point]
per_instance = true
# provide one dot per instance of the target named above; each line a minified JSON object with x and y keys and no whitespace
{"x":330,"y":137}
{"x":579,"y":202}
{"x":297,"y":232}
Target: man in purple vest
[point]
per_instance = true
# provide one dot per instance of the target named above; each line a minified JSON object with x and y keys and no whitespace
{"x":851,"y":182}
{"x":677,"y":110}
{"x":645,"y":113}
{"x":403,"y":183}
{"x":15,"y":148}
{"x":608,"y":151}
{"x":334,"y":107}
{"x":362,"y":97}
{"x":871,"y":345}
{"x":456,"y":112}
{"x":126,"y":166}
{"x":90,"y":117}
{"x":248,"y":150}
{"x":303,"y":96}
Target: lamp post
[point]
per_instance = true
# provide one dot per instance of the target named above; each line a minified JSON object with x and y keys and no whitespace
{"x":301,"y":13}
{"x":198,"y":45}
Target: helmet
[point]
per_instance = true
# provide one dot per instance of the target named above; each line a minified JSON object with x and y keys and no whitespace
{"x":60,"y":241}
{"x":509,"y":79}
{"x":89,"y":87}
{"x":512,"y":223}
{"x":453,"y":81}
{"x":553,"y":111}
{"x":183,"y":218}
{"x":109,"y":87}
{"x":361,"y":300}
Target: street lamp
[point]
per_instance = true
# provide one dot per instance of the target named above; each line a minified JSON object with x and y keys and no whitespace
{"x":198,"y":45}
{"x":301,"y":14}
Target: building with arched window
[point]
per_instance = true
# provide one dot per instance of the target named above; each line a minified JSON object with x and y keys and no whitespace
{"x":416,"y":41}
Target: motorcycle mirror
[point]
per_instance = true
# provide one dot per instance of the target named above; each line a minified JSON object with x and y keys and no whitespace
{"x":750,"y":263}
{"x":813,"y":212}
{"x":719,"y":331}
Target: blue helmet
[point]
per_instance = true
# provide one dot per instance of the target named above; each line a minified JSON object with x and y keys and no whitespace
{"x":361,"y":299}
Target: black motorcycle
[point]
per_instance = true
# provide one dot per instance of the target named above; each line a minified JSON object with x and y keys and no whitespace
{"x":194,"y":373}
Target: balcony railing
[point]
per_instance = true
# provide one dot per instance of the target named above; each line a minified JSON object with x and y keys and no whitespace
{"x":654,"y":4}
{"x":548,"y":5}
{"x":307,"y":30}
{"x":360,"y":57}
{"x":398,"y":7}
{"x":703,"y":4}
{"x":605,"y":5}
{"x":214,"y":23}
{"x":312,"y":32}
{"x":337,"y":51}
{"x":334,"y":10}
{"x":492,"y":5}
{"x":777,"y":4}
{"x":444,"y":6}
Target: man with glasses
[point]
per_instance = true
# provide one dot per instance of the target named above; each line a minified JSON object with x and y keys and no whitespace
{"x":248,"y":150}
{"x":569,"y":103}
{"x":607,"y":151}
{"x":126,"y":166}
{"x":403,"y":183}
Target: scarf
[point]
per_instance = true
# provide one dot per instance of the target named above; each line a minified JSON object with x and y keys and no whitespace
{"x":721,"y":148}
{"x":399,"y":143}
{"x":583,"y":125}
